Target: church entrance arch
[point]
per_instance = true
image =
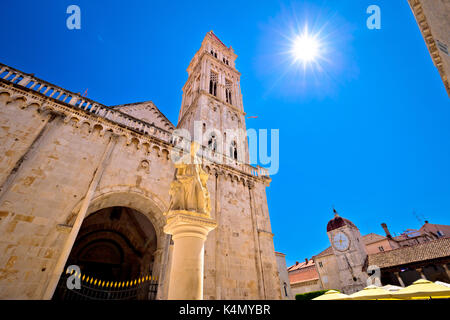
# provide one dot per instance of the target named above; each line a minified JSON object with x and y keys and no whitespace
{"x":118,"y":250}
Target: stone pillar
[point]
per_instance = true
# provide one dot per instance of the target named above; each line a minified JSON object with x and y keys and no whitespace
{"x":399,"y":278}
{"x":447,"y":271}
{"x":189,"y":234}
{"x":420,"y":271}
{"x":189,"y":222}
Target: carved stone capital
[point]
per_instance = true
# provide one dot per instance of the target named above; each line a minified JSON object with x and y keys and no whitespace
{"x":182,"y":223}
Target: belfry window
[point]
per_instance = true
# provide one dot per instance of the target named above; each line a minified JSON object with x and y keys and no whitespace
{"x":213,"y":83}
{"x":233,"y":150}
{"x":212,"y":143}
{"x":228,"y":87}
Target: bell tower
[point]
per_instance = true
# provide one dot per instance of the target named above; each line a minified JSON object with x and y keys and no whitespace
{"x":211,"y":108}
{"x":350,"y":252}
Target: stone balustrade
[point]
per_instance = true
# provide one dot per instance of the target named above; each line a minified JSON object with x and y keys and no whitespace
{"x":78,"y":101}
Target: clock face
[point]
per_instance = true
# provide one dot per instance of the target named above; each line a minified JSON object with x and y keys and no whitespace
{"x":341,"y":241}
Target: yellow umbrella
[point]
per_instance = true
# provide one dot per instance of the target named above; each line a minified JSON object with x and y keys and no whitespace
{"x":332,"y":295}
{"x":423,"y":289}
{"x":371,"y":293}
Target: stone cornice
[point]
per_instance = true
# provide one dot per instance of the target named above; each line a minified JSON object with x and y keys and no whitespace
{"x":425,"y":29}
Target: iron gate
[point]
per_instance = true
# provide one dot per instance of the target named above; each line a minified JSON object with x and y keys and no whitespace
{"x":143,"y":288}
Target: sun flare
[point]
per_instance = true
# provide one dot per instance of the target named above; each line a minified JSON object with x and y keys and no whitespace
{"x":305,"y":48}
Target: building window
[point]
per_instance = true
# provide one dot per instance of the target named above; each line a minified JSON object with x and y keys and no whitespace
{"x":228,"y":87}
{"x":212,"y":144}
{"x":233,"y":150}
{"x":440,"y":233}
{"x":320,"y":264}
{"x":213,"y":83}
{"x":381,"y":248}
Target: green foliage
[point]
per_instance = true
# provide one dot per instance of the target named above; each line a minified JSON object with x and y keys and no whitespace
{"x":309,"y":295}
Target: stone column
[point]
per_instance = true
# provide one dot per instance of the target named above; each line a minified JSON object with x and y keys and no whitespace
{"x":420,"y":271}
{"x":189,"y":222}
{"x":447,"y":271}
{"x":399,"y":278}
{"x":189,"y":234}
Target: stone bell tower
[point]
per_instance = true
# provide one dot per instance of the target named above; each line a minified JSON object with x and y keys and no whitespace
{"x":350,"y":252}
{"x":212,"y":100}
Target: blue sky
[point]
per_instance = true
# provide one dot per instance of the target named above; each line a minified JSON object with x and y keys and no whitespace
{"x":368,"y":133}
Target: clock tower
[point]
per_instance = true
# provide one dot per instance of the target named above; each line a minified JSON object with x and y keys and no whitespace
{"x":350,"y":252}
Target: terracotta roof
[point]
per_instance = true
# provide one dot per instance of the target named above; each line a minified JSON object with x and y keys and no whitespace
{"x":217,"y":38}
{"x":328,"y":251}
{"x":305,"y":274}
{"x":301,"y":265}
{"x":372,"y":238}
{"x":425,"y":251}
{"x":367,"y":239}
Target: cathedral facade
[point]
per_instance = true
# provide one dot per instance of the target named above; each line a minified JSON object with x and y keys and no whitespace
{"x":85,"y":184}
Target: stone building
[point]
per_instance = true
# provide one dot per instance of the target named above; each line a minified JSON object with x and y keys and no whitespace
{"x":69,"y":161}
{"x":285,"y":285}
{"x":352,"y":260}
{"x":304,"y":277}
{"x":433,"y":18}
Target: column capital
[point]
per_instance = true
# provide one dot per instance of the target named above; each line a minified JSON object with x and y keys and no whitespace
{"x":183,"y":223}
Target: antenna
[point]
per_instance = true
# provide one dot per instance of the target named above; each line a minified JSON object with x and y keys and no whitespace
{"x":417,"y":217}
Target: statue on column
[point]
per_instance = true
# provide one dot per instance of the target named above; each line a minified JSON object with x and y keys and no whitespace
{"x":188,"y":191}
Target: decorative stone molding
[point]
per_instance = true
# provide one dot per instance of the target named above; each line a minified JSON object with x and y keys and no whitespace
{"x":425,"y":29}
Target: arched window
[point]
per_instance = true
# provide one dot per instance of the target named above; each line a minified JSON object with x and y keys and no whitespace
{"x":228,"y":87}
{"x":213,"y":83}
{"x":233,"y":150}
{"x":212,"y":143}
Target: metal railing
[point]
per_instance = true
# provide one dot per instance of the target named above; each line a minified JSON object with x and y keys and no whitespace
{"x":143,"y":288}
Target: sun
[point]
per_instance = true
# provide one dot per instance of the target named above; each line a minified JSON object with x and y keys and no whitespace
{"x":306,"y":47}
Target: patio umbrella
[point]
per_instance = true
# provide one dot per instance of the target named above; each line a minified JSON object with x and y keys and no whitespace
{"x":332,"y":295}
{"x":392,"y":288}
{"x":371,"y":293}
{"x":443,"y":283}
{"x":423,"y":289}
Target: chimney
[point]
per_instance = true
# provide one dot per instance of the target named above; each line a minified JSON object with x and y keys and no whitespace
{"x":296,"y":263}
{"x":386,"y":230}
{"x":306,"y":260}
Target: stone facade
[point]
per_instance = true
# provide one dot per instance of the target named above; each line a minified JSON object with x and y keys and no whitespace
{"x":66,"y":157}
{"x":433,"y":18}
{"x":286,"y":292}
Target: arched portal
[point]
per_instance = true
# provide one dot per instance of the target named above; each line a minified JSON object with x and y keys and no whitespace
{"x":115,"y":246}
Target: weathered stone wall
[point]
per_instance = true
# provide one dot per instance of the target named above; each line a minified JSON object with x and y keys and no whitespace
{"x":51,"y":152}
{"x":284,"y":277}
{"x":41,"y":196}
{"x":328,"y":272}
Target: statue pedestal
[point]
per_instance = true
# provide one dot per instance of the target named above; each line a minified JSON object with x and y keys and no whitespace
{"x":189,"y":231}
